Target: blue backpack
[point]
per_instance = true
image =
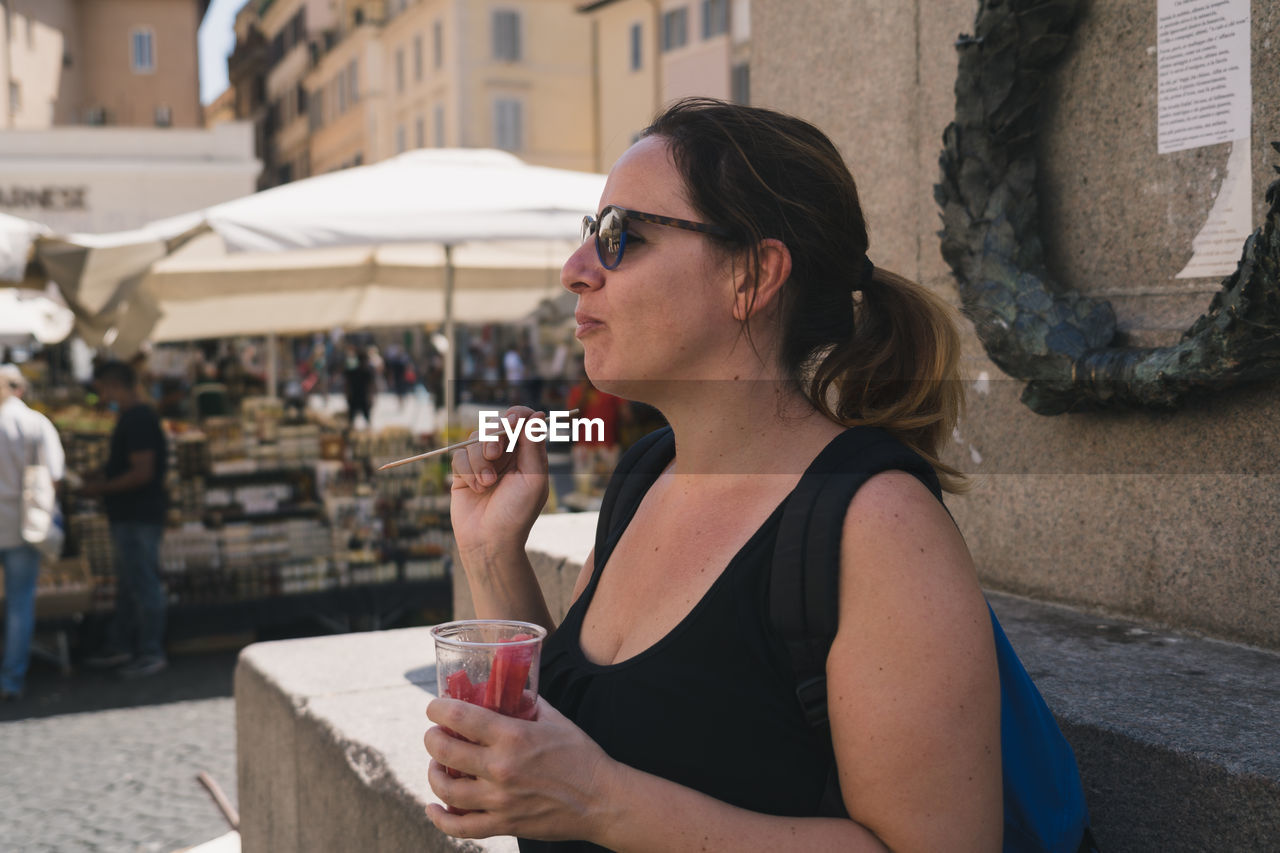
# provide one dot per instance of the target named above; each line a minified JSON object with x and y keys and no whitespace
{"x":1044,"y":808}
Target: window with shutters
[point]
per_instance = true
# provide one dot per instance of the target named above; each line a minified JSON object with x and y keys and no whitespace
{"x":740,"y":84}
{"x":715,"y":18}
{"x":353,"y":82}
{"x":315,"y":109}
{"x":675,"y":28}
{"x":400,"y":69}
{"x":420,"y":133}
{"x":142,"y":56}
{"x":417,"y":59}
{"x":637,"y":47}
{"x":400,"y":140}
{"x":508,"y":124}
{"x":437,"y":125}
{"x":506,"y":35}
{"x":437,"y":45}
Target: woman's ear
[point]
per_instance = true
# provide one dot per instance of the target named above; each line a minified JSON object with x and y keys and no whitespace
{"x":774,"y":268}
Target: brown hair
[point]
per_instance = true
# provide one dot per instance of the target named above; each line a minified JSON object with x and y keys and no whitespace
{"x":876,"y":350}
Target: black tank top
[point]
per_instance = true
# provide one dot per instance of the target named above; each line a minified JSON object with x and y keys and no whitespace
{"x":712,"y":705}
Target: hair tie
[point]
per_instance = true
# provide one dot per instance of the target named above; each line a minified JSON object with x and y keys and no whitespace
{"x":868,"y":273}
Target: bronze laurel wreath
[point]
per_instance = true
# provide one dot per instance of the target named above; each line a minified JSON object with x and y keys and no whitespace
{"x":1058,"y":340}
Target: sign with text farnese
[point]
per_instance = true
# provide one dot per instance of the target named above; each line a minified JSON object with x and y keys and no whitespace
{"x":18,"y":197}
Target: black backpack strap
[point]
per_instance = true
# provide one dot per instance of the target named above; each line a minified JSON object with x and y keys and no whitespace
{"x":631,"y":478}
{"x":804,"y":585}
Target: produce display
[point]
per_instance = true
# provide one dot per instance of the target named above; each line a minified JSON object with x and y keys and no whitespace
{"x":261,"y":508}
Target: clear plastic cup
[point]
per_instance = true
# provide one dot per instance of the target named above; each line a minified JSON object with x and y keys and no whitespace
{"x":490,"y":662}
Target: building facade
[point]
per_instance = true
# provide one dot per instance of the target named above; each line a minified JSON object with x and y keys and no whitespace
{"x":102,"y":128}
{"x":98,"y":179}
{"x":293,"y":29}
{"x":344,"y":96}
{"x":247,"y":81}
{"x":100,"y":62}
{"x":348,"y":82}
{"x":648,"y":53}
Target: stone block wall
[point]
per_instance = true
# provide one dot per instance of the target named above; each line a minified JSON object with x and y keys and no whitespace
{"x":1165,"y":516}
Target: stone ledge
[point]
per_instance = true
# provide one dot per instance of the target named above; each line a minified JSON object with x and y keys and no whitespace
{"x":1175,"y":735}
{"x":329,"y":746}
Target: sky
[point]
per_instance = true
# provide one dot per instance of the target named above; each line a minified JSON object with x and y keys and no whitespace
{"x":217,"y":37}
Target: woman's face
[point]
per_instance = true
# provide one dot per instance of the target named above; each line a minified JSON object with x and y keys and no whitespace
{"x":665,"y":313}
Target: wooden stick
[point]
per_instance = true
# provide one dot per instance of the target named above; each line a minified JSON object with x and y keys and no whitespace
{"x":439,"y":450}
{"x":224,"y":805}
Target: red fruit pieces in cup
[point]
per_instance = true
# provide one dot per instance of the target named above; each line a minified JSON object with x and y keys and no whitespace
{"x":459,"y":686}
{"x":510,"y":671}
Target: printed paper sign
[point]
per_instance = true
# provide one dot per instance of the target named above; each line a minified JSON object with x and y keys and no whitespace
{"x":1203,"y":67}
{"x":1216,"y":249}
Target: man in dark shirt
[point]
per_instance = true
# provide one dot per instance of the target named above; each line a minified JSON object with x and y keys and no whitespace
{"x":133,"y":491}
{"x":359,"y":380}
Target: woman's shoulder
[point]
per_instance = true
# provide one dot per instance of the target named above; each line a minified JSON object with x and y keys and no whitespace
{"x":898,"y":535}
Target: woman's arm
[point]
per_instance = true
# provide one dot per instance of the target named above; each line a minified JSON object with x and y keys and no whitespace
{"x":495,"y":498}
{"x":913,"y":689}
{"x":546,"y":779}
{"x":503,"y":586}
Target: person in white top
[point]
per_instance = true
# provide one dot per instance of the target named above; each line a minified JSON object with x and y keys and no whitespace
{"x":54,"y":456}
{"x":21,"y":431}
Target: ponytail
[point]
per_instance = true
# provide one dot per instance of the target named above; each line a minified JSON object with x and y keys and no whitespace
{"x":898,"y":369}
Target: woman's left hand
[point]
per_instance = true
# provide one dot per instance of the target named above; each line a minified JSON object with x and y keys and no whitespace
{"x":542,"y":779}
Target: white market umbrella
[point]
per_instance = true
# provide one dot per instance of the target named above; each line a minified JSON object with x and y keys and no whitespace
{"x":17,"y":236}
{"x":203,"y":291}
{"x":449,"y":198}
{"x":445,"y":196}
{"x":27,"y":315}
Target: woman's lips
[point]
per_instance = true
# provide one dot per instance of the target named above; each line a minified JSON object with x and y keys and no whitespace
{"x":586,"y":324}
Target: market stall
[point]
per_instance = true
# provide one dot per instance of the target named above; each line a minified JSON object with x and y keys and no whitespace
{"x":272,"y":521}
{"x":267,"y":513}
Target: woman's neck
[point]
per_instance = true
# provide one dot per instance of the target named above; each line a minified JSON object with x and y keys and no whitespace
{"x":744,"y":427}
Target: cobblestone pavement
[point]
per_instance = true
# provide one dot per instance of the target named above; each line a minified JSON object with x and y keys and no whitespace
{"x":116,"y":781}
{"x":80,"y":775}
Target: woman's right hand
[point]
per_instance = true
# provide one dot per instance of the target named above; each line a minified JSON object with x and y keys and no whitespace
{"x":497,"y":495}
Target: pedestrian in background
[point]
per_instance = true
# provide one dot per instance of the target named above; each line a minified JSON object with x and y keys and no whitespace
{"x":22,"y":439}
{"x":133,"y":492}
{"x":54,"y":456}
{"x":359,"y":380}
{"x":596,"y":453}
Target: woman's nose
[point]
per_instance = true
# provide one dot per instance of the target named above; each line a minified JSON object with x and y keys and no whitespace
{"x":582,"y":271}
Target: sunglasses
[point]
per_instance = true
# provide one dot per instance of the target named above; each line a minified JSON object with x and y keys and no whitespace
{"x":610,"y":231}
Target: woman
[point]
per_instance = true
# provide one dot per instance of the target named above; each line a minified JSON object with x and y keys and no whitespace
{"x":728,"y":287}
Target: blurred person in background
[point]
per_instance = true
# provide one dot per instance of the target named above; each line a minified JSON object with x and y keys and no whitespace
{"x":378,"y":366}
{"x":534,"y":384}
{"x":54,"y":456}
{"x":513,"y":372}
{"x":398,"y":370}
{"x":133,"y":493}
{"x":23,"y":438}
{"x":596,"y":453}
{"x":359,"y":380}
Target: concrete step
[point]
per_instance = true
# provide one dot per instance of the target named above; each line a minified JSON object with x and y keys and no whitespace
{"x":1177,"y":737}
